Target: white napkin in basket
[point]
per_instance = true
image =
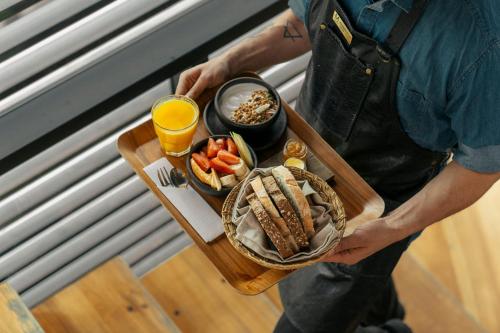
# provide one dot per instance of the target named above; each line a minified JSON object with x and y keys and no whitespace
{"x":189,"y":203}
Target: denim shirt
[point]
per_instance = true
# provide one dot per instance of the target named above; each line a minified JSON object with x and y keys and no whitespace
{"x":448,"y":92}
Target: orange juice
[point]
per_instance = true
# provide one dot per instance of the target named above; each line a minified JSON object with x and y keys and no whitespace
{"x":175,"y":119}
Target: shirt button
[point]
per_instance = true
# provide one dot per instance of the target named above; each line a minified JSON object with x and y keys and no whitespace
{"x":322,"y":26}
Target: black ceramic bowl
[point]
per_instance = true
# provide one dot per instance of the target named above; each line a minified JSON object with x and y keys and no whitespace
{"x":246,"y":129}
{"x":198,"y":183}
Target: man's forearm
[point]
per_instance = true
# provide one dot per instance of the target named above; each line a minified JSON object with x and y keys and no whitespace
{"x":286,"y":39}
{"x":454,"y":189}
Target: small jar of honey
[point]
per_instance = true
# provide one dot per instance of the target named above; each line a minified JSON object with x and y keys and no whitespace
{"x":294,"y":148}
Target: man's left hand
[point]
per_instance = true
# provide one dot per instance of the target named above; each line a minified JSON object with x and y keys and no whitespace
{"x":366,"y":239}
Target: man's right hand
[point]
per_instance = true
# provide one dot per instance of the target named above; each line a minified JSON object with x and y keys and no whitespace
{"x":212,"y":73}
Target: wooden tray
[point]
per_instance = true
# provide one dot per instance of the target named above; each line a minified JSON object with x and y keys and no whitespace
{"x":140,"y":147}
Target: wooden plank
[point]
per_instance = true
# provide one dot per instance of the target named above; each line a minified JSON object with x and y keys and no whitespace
{"x":462,"y":253}
{"x":198,"y":299}
{"x":274,"y":295}
{"x":431,"y":249}
{"x":14,"y":315}
{"x":108,"y":299}
{"x":430,"y":307}
{"x":140,"y":148}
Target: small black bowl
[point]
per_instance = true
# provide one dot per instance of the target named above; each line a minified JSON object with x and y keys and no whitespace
{"x":198,"y":183}
{"x":246,"y":129}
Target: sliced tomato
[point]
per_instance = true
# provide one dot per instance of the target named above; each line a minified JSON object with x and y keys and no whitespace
{"x":213,"y":148}
{"x":220,"y":166}
{"x":227,"y":157}
{"x":221,"y":142}
{"x":202,"y":161}
{"x":231,"y":147}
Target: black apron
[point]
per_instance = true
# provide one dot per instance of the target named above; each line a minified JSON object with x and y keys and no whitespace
{"x":349,"y":97}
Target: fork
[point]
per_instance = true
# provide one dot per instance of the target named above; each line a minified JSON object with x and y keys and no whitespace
{"x":175,"y":178}
{"x":163,"y":177}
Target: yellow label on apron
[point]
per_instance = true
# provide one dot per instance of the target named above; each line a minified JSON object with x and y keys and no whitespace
{"x":342,"y":27}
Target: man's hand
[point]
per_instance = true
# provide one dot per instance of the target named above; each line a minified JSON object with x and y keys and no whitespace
{"x":454,"y":189}
{"x":367,"y":239}
{"x":194,"y":81}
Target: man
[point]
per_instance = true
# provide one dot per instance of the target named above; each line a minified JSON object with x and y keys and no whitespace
{"x":394,"y":86}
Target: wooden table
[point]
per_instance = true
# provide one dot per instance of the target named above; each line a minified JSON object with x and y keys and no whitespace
{"x":140,"y":147}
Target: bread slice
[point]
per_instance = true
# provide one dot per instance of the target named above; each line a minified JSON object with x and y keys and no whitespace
{"x":269,"y":228}
{"x":288,"y":185}
{"x":286,"y":211}
{"x":268,"y":205}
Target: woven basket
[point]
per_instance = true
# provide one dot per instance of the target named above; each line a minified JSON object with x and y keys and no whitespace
{"x":321,"y":187}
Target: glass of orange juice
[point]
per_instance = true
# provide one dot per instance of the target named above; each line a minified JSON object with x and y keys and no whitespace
{"x":175,"y":119}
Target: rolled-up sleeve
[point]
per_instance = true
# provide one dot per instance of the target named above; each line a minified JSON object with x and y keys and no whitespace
{"x":483,"y":159}
{"x":299,"y":8}
{"x":474,"y":109}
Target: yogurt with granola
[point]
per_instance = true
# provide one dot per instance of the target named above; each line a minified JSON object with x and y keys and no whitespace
{"x":248,"y":104}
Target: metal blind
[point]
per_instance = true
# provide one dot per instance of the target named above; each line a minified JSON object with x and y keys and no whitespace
{"x":77,"y":203}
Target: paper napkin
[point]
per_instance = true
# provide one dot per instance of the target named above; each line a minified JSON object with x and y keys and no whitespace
{"x":189,"y":203}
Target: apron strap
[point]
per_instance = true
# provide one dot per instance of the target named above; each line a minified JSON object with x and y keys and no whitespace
{"x":404,"y":25}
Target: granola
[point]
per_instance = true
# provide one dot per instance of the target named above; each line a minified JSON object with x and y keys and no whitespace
{"x":261,"y":106}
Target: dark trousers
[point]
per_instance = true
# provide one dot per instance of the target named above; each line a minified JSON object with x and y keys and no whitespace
{"x":337,"y":298}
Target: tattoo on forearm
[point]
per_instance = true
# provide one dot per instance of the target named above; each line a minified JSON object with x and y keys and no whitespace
{"x":290,"y":31}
